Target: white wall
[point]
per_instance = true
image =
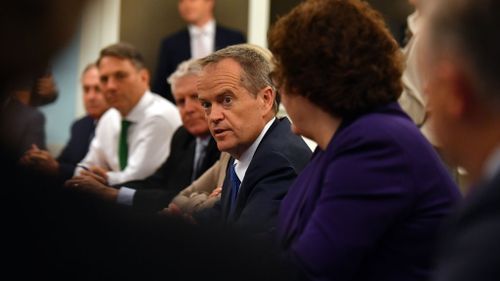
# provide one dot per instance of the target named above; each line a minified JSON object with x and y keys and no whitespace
{"x":99,"y":27}
{"x":258,"y":21}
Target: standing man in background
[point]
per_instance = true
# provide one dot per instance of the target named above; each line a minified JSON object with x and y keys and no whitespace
{"x":201,"y":37}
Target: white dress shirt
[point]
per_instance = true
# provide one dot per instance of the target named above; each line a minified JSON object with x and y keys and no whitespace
{"x":412,"y":99}
{"x":154,"y":120}
{"x":241,"y":165}
{"x":202,"y":39}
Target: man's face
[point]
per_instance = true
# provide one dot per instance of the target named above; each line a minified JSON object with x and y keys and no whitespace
{"x":194,"y":11}
{"x":235,"y":116}
{"x":122,"y":83}
{"x":93,"y":99}
{"x":186,"y":99}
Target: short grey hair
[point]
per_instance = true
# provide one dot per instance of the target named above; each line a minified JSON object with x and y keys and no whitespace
{"x":257,"y":65}
{"x":469,"y":29}
{"x":185,"y":68}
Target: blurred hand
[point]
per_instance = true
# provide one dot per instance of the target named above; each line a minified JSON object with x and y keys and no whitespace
{"x":40,"y":160}
{"x":174,"y":210}
{"x":46,"y":86}
{"x":171,"y":210}
{"x":100,"y":174}
{"x":91,"y":183}
{"x":215,"y":192}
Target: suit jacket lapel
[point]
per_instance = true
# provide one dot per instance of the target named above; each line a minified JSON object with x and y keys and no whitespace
{"x":219,"y":41}
{"x":186,"y":42}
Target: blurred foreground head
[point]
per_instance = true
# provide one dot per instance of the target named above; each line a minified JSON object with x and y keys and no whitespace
{"x":32,"y":32}
{"x":461,"y":63}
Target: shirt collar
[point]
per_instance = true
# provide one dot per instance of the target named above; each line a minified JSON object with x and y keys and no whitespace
{"x":241,"y":165}
{"x":492,"y":165}
{"x":208,"y":28}
{"x":137,"y":112}
{"x":414,"y":22}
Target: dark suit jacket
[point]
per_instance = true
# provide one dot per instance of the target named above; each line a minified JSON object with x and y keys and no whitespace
{"x":176,"y":48}
{"x":157,"y":190}
{"x":470,"y":248}
{"x":77,"y":147}
{"x":368,"y":207}
{"x":21,"y":126}
{"x":279,"y":158}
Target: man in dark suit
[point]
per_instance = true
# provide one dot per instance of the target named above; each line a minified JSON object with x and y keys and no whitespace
{"x":200,"y":38}
{"x":461,"y":66}
{"x":156,"y":191}
{"x":240,"y":103}
{"x":82,"y":132}
{"x":193,"y":151}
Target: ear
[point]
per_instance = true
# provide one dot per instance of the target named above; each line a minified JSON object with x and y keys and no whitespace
{"x":267,"y":97}
{"x":144,"y":74}
{"x":461,"y":97}
{"x":211,"y":4}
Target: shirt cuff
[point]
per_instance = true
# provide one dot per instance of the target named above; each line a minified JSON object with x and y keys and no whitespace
{"x":77,"y":171}
{"x":125,"y":196}
{"x":114,"y":178}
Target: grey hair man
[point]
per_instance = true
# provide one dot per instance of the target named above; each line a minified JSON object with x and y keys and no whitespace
{"x":461,"y":63}
{"x":240,"y":101}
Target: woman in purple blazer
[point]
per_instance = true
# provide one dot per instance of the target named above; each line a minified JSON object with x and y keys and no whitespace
{"x":371,"y":201}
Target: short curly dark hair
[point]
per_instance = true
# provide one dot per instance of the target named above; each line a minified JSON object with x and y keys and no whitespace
{"x":338,"y":54}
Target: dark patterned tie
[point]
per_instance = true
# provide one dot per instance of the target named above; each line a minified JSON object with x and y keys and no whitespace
{"x":201,"y":152}
{"x":235,"y":186}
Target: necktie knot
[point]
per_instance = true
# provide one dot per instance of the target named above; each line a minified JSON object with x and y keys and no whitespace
{"x":125,"y":124}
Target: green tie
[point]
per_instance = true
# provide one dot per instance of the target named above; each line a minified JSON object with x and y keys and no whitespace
{"x":123,"y":147}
